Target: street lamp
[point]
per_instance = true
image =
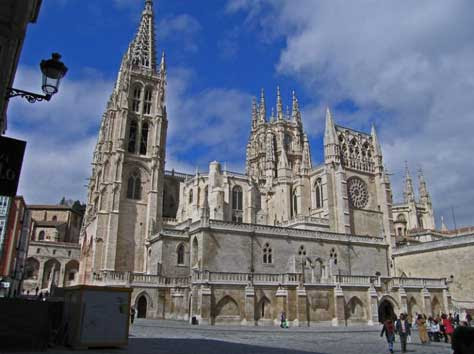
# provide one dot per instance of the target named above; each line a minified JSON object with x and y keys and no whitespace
{"x":53,"y":71}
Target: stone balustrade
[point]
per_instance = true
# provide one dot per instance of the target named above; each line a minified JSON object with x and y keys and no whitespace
{"x":417,"y":283}
{"x":116,"y":278}
{"x":291,"y":232}
{"x":354,"y":280}
{"x":306,"y":219}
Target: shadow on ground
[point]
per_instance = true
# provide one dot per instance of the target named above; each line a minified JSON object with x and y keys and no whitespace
{"x":200,"y":346}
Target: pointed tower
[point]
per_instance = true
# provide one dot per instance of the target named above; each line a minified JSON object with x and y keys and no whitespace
{"x":377,"y":150}
{"x":125,"y":189}
{"x":408,"y":193}
{"x":254,"y":113}
{"x":262,"y":108}
{"x":331,"y":145}
{"x":279,"y":105}
{"x":428,"y":215}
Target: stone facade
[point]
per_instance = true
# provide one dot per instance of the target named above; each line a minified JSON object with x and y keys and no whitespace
{"x":315,"y":242}
{"x":54,"y":250}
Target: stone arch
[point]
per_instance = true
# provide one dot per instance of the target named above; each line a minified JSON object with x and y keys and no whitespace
{"x":32,"y":268}
{"x":263,"y":310}
{"x":227,"y":307}
{"x":355,"y":310}
{"x":436,"y":308}
{"x":388,"y":308}
{"x":180,"y":253}
{"x":70,"y":273}
{"x":51,"y":271}
{"x":413,"y":307}
{"x":143,"y":303}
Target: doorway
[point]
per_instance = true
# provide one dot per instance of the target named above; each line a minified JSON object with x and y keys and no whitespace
{"x":142,"y":304}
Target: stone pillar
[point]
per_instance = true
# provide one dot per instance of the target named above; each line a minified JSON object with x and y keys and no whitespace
{"x":403,"y":301}
{"x":301,"y":307}
{"x":426,"y":301}
{"x":446,"y":301}
{"x":281,"y":305}
{"x":339,"y":306}
{"x":62,"y":276}
{"x":249,"y":315}
{"x":39,"y":282}
{"x":161,"y":303}
{"x":194,"y":303}
{"x":177,"y":297}
{"x":373,"y":310}
{"x":205,"y":304}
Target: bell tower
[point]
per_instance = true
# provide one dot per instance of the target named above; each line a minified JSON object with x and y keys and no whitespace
{"x":125,"y":189}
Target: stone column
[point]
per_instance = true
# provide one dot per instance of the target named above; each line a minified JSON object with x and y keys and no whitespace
{"x":339,"y":306}
{"x":39,"y":282}
{"x":301,"y":307}
{"x":249,"y":315}
{"x":426,"y":301}
{"x":403,"y":300}
{"x":62,"y":275}
{"x":177,"y":296}
{"x":281,"y":305}
{"x":194,"y":303}
{"x":373,"y":311}
{"x":205,"y":304}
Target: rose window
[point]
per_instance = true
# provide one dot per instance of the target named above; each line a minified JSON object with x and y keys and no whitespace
{"x":358,"y":193}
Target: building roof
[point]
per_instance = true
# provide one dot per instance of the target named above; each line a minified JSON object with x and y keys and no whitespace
{"x":52,"y":207}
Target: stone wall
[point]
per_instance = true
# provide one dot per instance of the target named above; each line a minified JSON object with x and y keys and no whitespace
{"x":451,"y":258}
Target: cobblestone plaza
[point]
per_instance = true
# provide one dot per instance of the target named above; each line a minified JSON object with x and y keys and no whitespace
{"x":160,"y":337}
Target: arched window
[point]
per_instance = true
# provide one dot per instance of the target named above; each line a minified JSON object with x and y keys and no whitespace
{"x":144,"y":139}
{"x":147,"y":102}
{"x":180,"y":254}
{"x":41,"y":236}
{"x":134,"y":186}
{"x":190,"y":196}
{"x":318,"y":189}
{"x":137,"y":92}
{"x":132,"y":136}
{"x":333,"y":256}
{"x":237,"y":198}
{"x":287,"y":142}
{"x":294,"y":204}
{"x":302,"y":251}
{"x":267,"y":254}
{"x":237,"y":204}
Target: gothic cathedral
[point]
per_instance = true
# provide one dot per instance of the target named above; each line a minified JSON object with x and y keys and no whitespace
{"x":226,"y":247}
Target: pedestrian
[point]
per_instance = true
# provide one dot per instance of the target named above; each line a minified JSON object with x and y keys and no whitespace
{"x":389,"y":331}
{"x":463,"y":340}
{"x":430,"y":328}
{"x":403,"y":328}
{"x":421,"y":324}
{"x":468,"y":319}
{"x":36,"y":291}
{"x":283,"y":320}
{"x":448,"y":329}
{"x":132,"y":314}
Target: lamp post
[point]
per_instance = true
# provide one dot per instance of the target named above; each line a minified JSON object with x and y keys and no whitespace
{"x":53,"y":71}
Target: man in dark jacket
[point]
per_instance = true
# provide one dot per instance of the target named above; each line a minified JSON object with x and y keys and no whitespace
{"x":463,"y":340}
{"x":403,"y":328}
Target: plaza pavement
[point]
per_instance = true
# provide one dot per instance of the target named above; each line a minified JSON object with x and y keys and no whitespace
{"x":176,"y":337}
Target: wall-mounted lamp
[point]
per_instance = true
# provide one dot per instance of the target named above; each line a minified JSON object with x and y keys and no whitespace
{"x":53,"y":71}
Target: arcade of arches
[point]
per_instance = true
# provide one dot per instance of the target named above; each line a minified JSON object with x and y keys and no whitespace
{"x":218,"y":304}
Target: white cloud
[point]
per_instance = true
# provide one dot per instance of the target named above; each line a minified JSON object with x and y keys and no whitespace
{"x":408,"y":66}
{"x":183,"y":28}
{"x":60,"y":135}
{"x":210,"y":124}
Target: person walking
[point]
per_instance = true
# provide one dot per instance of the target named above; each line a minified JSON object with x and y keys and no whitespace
{"x":389,"y":330}
{"x":448,"y":328}
{"x":421,"y":324}
{"x":132,"y":314}
{"x":283,"y":323}
{"x":468,"y":319}
{"x":403,"y":328}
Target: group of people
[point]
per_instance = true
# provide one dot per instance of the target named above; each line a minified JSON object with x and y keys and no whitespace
{"x":429,"y":329}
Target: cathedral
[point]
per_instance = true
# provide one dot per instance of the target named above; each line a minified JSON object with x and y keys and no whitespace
{"x":220,"y":247}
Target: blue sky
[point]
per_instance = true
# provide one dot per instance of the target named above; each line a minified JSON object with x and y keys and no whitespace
{"x":406,"y":67}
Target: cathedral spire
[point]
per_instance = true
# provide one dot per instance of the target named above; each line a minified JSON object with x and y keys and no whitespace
{"x":408,"y":193}
{"x":424,"y":195}
{"x":279,"y":105}
{"x":163,"y":64}
{"x":295,"y":114}
{"x":262,"y":109}
{"x":375,"y":141}
{"x":254,"y":113}
{"x":142,"y":51}
{"x":330,"y":131}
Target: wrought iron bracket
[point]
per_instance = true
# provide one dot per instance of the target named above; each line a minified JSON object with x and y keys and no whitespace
{"x":29,"y":96}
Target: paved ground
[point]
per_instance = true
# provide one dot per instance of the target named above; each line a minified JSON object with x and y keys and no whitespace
{"x":159,"y":337}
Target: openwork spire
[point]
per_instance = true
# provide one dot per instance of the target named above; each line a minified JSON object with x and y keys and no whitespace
{"x":408,"y":193}
{"x":142,"y":49}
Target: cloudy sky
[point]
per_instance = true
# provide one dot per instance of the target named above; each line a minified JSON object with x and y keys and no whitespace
{"x":406,"y":66}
